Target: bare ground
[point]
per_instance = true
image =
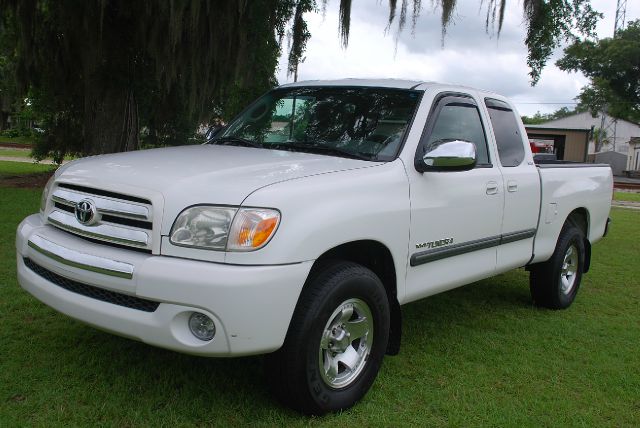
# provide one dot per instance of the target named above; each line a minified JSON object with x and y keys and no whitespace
{"x":26,"y":181}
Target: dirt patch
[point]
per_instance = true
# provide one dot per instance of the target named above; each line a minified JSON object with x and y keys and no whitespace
{"x":626,"y":204}
{"x":26,"y":181}
{"x":16,"y":145}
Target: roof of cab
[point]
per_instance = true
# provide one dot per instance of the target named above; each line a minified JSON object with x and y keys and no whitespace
{"x":392,"y":83}
{"x":379,"y":83}
{"x":383,"y":83}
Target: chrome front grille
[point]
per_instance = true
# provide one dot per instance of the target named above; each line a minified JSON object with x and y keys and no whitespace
{"x":116,"y":218}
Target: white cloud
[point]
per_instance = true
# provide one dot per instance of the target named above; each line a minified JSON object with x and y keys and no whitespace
{"x":469,"y":56}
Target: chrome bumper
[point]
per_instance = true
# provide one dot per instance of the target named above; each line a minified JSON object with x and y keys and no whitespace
{"x":79,"y":260}
{"x":251,"y":306}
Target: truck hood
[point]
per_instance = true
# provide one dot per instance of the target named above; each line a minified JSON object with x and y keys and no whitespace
{"x":178,"y":177}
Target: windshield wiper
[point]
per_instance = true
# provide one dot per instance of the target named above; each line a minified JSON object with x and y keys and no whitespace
{"x":329,"y":150}
{"x":235,"y":141}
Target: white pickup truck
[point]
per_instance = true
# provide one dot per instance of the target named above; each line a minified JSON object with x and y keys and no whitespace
{"x":301,"y":228}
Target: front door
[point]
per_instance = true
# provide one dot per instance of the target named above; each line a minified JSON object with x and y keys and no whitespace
{"x":455,"y":215}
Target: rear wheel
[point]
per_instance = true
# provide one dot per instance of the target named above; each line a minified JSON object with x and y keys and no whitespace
{"x":554,"y":284}
{"x":336,"y":340}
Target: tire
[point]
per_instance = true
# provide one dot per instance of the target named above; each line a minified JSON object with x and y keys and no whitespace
{"x":554,"y":284}
{"x":320,"y":368}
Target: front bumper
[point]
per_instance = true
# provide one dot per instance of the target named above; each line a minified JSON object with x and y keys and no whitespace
{"x":250,"y":305}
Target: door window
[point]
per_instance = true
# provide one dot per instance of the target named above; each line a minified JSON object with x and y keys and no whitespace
{"x":460,"y":121}
{"x":507,"y":132}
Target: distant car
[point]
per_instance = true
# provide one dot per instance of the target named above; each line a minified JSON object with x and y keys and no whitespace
{"x":305,"y":224}
{"x":538,"y":147}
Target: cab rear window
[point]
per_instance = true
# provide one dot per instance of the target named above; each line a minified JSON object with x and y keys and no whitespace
{"x":507,"y":132}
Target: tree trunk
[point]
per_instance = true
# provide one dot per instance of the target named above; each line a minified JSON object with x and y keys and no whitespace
{"x":598,"y":146}
{"x":111,"y":122}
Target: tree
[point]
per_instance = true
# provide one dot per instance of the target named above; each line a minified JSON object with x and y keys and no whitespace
{"x":548,"y":23}
{"x":99,"y":71}
{"x":613,"y":67}
{"x":546,"y":117}
{"x":8,"y":89}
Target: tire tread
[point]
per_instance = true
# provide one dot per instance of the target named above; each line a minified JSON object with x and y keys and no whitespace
{"x":544,"y":277}
{"x":292,"y":390}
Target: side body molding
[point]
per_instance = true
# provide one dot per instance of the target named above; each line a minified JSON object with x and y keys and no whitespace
{"x":432,"y":255}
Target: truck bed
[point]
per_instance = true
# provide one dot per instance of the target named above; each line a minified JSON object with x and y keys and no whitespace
{"x":566,"y":187}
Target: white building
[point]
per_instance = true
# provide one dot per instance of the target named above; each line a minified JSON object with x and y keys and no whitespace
{"x":618,"y":131}
{"x":633,"y":161}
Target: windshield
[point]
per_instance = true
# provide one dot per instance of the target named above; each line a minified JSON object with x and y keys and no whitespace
{"x":364,"y":123}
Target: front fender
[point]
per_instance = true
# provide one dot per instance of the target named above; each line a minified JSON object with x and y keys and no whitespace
{"x":323,"y":211}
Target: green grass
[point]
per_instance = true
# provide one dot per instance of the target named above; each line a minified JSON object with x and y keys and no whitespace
{"x":9,"y":168}
{"x":15,"y":153}
{"x":478,"y":355}
{"x":23,"y":153}
{"x":626,"y":196}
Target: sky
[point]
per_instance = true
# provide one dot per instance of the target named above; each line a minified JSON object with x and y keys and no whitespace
{"x":469,"y":56}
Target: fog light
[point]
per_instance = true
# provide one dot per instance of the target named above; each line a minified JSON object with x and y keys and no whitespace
{"x":202,"y":326}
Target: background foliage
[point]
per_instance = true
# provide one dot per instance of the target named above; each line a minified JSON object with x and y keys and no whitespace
{"x":613,"y":66}
{"x":109,"y":75}
{"x":545,"y":117}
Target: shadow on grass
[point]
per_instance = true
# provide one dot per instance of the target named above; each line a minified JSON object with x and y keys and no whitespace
{"x":130,"y":374}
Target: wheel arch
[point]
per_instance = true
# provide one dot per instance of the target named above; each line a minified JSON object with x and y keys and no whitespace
{"x":579,"y":217}
{"x":377,"y":257}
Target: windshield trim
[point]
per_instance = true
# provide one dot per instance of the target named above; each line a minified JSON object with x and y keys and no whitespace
{"x":384,"y":159}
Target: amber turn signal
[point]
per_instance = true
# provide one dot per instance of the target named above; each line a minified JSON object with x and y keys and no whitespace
{"x":252,"y":229}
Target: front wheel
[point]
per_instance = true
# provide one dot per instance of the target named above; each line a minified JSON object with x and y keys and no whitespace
{"x":554,"y":284}
{"x":336,"y":340}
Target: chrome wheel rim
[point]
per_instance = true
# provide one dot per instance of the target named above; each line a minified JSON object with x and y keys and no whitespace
{"x":346,"y":343}
{"x":569,"y":270}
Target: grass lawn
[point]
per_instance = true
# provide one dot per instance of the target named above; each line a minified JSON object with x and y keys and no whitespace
{"x":626,"y":196}
{"x":22,"y":153}
{"x":478,"y":355}
{"x":9,"y":168}
{"x":15,"y":153}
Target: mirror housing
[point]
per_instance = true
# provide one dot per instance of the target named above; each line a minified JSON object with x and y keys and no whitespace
{"x":447,"y":155}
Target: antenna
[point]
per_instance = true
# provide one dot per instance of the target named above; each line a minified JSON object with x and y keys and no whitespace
{"x":621,"y":12}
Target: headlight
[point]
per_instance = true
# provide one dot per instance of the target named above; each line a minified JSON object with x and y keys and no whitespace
{"x":224,"y":228}
{"x":45,"y":194}
{"x":203,"y":226}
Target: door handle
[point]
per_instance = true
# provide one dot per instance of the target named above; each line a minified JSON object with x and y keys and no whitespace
{"x":512,"y":186}
{"x":492,"y":188}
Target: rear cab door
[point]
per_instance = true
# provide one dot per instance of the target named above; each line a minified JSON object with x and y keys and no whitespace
{"x":521,"y":181}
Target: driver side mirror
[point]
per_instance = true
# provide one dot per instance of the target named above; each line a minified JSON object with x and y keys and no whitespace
{"x":447,"y":155}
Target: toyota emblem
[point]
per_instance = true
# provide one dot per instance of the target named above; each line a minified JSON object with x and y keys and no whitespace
{"x":85,"y":212}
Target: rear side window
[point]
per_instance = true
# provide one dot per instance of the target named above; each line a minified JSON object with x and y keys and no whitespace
{"x":458,"y":121}
{"x":507,"y":132}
